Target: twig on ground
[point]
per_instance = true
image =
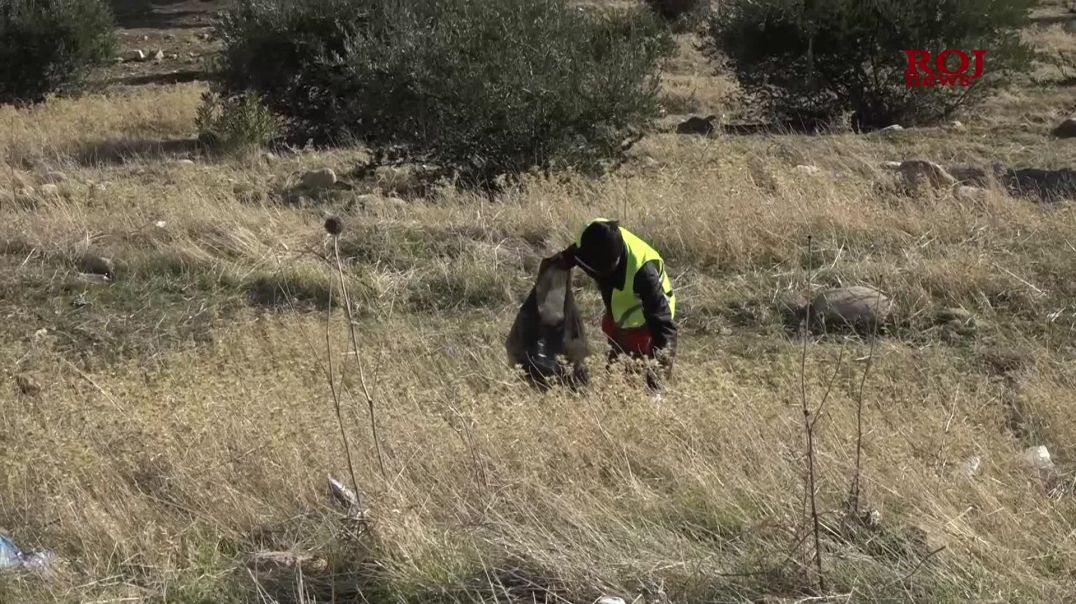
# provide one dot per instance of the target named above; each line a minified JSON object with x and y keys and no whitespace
{"x":915,"y":570}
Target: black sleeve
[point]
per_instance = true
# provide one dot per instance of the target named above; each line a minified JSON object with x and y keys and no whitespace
{"x":656,"y":309}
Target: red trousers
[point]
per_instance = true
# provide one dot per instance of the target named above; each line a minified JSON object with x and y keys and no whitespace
{"x":631,"y":341}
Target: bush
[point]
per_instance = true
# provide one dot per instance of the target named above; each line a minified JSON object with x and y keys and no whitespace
{"x":847,"y":55}
{"x":51,"y":45}
{"x":236,"y":124}
{"x":483,"y":87}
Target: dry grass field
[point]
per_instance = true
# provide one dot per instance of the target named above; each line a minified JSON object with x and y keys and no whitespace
{"x":159,"y":430}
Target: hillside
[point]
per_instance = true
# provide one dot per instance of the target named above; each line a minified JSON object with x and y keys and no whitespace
{"x":160,"y":428}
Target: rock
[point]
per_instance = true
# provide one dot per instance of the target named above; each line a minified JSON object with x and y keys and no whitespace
{"x":893,"y":128}
{"x":1047,"y":185}
{"x":158,"y":56}
{"x":890,"y":165}
{"x":27,"y":384}
{"x":918,"y":173}
{"x":610,"y":600}
{"x":858,"y":307}
{"x":324,"y":178}
{"x":97,"y":265}
{"x":968,"y":193}
{"x":50,"y":189}
{"x":971,"y":466}
{"x":807,"y":169}
{"x":401,"y":180}
{"x":957,"y":126}
{"x":1038,"y":457}
{"x":1067,"y":129}
{"x":184,"y":162}
{"x":703,"y":126}
{"x":134,"y":56}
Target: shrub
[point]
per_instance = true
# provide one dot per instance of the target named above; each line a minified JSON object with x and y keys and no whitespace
{"x":484,"y":87}
{"x":235,"y":124}
{"x":842,"y":56}
{"x":51,"y":45}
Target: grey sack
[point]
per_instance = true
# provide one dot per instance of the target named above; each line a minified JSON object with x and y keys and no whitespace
{"x":548,"y":329}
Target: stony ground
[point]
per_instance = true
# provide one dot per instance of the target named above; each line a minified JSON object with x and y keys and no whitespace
{"x":165,"y":428}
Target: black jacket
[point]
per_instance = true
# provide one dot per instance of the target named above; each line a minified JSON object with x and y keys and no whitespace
{"x":648,"y":287}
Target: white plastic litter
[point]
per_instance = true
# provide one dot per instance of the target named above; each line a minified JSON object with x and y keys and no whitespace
{"x":971,"y":465}
{"x":1038,"y":457}
{"x":14,"y":559}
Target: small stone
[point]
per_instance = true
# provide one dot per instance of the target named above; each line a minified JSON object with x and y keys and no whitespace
{"x":957,"y":126}
{"x":158,"y":56}
{"x":28,"y":385}
{"x":184,"y":162}
{"x":807,"y":169}
{"x":134,"y":56}
{"x":50,"y":189}
{"x":160,"y":224}
{"x":893,"y":128}
{"x":890,"y":165}
{"x":97,"y":265}
{"x":610,"y":600}
{"x":41,"y":333}
{"x":918,"y":173}
{"x":1067,"y":129}
{"x":858,"y":307}
{"x":319,"y":179}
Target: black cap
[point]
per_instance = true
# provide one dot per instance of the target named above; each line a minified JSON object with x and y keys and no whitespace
{"x":600,"y":247}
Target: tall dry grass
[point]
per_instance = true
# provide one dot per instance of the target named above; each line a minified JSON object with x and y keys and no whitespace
{"x":184,"y":420}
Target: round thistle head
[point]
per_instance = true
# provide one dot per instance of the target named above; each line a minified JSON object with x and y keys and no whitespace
{"x":334,"y":225}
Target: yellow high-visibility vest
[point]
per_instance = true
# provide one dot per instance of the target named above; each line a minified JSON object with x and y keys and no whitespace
{"x":627,"y":307}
